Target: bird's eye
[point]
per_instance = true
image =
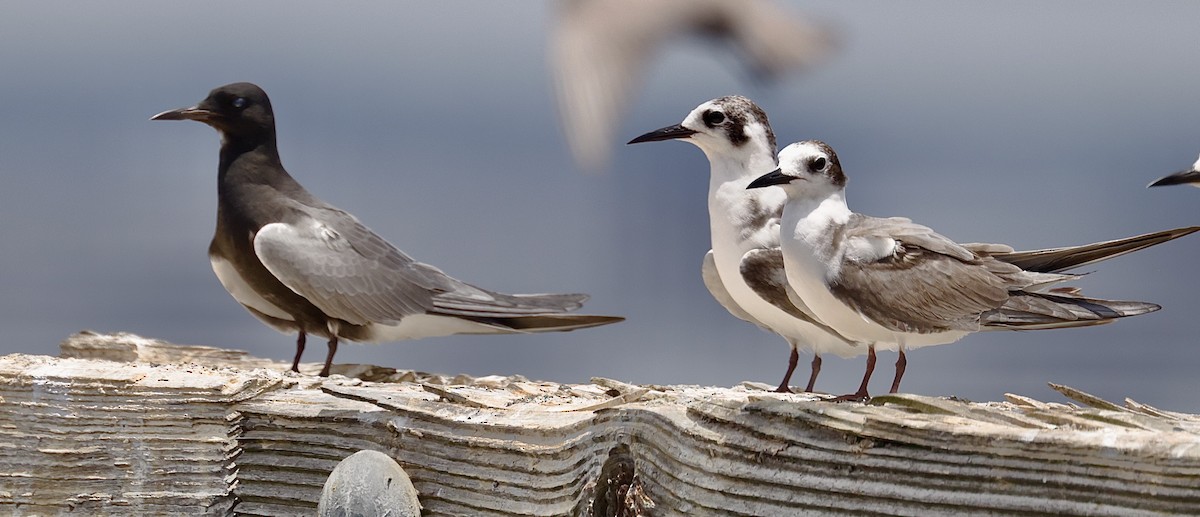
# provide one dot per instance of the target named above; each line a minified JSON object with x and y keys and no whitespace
{"x":712,"y":118}
{"x":819,"y":163}
{"x":239,"y":102}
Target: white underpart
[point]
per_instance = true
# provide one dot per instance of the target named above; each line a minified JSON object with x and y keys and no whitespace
{"x":418,"y":326}
{"x":809,"y":272}
{"x":242,"y":292}
{"x":728,"y":202}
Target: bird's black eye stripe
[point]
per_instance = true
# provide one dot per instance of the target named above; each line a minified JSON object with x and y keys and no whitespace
{"x":239,"y":102}
{"x":818,"y":163}
{"x":712,"y":118}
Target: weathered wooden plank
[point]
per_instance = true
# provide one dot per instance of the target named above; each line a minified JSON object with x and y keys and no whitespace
{"x":216,"y":431}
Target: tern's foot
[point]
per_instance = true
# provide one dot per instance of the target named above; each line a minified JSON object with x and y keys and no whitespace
{"x":860,"y":396}
{"x":783,"y":388}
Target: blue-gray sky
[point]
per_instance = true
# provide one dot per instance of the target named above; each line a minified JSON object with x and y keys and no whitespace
{"x":1027,"y":123}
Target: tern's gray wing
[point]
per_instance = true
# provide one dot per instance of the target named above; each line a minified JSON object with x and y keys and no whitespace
{"x":1053,"y":260}
{"x":353,"y":274}
{"x":1059,"y":308}
{"x":985,"y":248}
{"x":762,"y":269}
{"x":928,"y":284}
{"x":474,"y":302}
{"x":903,"y":230}
{"x":712,"y":280}
{"x":350,"y":273}
{"x":918,"y":290}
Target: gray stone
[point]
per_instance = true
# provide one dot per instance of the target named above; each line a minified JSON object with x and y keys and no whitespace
{"x":368,"y":484}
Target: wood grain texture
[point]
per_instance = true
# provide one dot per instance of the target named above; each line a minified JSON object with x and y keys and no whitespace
{"x":129,"y":437}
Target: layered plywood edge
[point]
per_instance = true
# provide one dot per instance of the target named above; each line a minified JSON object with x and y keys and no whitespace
{"x":124,"y":425}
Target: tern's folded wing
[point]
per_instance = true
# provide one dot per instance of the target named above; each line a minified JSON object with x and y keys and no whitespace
{"x":328,"y":266}
{"x":763,"y":271}
{"x":923,"y":282}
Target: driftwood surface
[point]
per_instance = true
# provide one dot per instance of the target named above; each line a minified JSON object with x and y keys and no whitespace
{"x":123,"y":425}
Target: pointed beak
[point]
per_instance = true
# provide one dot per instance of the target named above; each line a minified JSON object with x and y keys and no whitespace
{"x":775,"y":177}
{"x":675,"y":132}
{"x":1189,"y":177}
{"x":193,"y":113}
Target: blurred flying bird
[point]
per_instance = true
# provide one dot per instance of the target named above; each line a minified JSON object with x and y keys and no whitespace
{"x":599,"y":50}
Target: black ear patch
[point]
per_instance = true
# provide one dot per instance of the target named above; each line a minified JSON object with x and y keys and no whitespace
{"x":736,"y":133}
{"x":741,"y":111}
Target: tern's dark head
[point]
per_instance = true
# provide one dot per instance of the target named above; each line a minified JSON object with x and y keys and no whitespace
{"x":808,"y":168}
{"x":727,"y":126}
{"x":240,"y":111}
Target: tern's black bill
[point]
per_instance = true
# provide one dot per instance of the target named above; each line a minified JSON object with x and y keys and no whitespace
{"x":667,"y":133}
{"x":775,"y":177}
{"x":192,"y":113}
{"x":1190,"y":177}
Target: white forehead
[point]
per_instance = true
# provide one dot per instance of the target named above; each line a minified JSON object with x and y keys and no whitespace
{"x":798,"y":154}
{"x":1196,"y":166}
{"x":694,"y":119}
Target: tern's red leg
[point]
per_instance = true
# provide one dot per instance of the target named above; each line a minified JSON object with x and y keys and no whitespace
{"x":816,"y":368}
{"x":901,"y":362}
{"x":787,"y":377}
{"x":861,"y":395}
{"x":329,"y":358}
{"x":299,"y":352}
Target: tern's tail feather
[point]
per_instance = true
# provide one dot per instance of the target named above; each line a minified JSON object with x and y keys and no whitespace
{"x":487,"y":304}
{"x":504,"y":313}
{"x":1059,"y":309}
{"x":554,"y":322}
{"x":1053,"y":260}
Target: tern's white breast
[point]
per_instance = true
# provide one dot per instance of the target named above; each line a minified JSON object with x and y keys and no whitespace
{"x":242,"y":292}
{"x":730,"y":204}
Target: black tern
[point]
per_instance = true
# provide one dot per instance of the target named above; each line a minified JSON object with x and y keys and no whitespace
{"x":302,"y":265}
